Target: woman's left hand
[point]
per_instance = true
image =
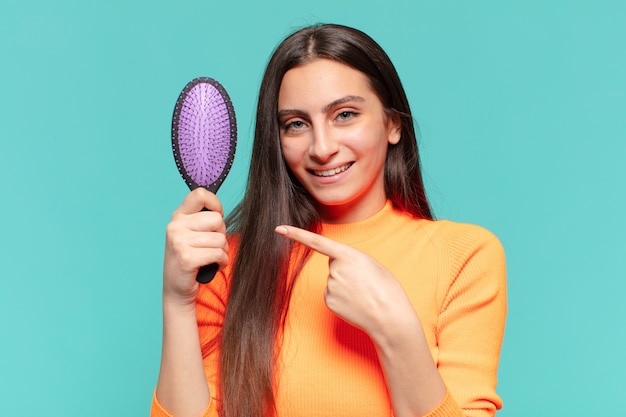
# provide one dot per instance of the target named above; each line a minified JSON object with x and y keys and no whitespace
{"x":359,"y":289}
{"x":367,"y":295}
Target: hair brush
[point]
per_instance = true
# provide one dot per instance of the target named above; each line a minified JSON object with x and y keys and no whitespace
{"x":204,"y":138}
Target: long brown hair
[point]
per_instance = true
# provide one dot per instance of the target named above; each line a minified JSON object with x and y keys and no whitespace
{"x":260,"y":283}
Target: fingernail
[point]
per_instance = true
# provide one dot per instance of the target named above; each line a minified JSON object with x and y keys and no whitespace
{"x":281,"y":230}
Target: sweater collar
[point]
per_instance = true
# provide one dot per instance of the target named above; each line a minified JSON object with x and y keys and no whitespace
{"x":352,"y":233}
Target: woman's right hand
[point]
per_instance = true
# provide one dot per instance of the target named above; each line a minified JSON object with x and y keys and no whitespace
{"x":194,"y":238}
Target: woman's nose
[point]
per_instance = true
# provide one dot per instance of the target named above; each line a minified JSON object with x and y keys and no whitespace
{"x":323,"y":145}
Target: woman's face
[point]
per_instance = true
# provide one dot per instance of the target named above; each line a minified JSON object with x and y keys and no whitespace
{"x":334,"y":135}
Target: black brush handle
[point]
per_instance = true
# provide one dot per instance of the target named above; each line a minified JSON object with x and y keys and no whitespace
{"x":206,"y":273}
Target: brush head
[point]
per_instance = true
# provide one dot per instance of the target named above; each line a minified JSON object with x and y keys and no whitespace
{"x":204,"y":134}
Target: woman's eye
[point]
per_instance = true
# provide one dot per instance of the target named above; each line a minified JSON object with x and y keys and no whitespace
{"x":345,"y":115}
{"x":295,"y":125}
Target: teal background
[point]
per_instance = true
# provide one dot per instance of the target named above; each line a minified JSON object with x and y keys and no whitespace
{"x":522,"y":109}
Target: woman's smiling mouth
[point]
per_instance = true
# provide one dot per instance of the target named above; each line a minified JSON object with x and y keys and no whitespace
{"x":331,"y":172}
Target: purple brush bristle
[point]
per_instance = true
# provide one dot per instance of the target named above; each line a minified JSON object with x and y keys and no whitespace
{"x":204,"y":132}
{"x":204,"y":138}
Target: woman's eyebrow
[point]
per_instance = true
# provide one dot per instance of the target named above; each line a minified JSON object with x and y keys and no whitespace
{"x":341,"y":101}
{"x":287,"y":112}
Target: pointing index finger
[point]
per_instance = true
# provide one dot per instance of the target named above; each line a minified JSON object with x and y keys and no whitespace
{"x":318,"y":243}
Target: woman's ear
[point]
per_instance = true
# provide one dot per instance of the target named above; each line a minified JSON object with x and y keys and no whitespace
{"x":394,"y":129}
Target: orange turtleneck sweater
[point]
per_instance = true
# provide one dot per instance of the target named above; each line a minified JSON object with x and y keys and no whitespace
{"x":454,"y":275}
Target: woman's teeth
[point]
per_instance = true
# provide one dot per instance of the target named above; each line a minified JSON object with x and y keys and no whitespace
{"x":330,"y":172}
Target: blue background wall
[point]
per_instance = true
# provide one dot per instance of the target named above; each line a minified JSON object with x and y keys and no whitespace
{"x":522,"y":109}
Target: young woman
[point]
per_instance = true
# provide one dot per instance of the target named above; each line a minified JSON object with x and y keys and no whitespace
{"x":338,"y":294}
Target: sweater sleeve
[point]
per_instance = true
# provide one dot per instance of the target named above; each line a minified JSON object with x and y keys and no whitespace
{"x":157,"y":409}
{"x":471,"y":321}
